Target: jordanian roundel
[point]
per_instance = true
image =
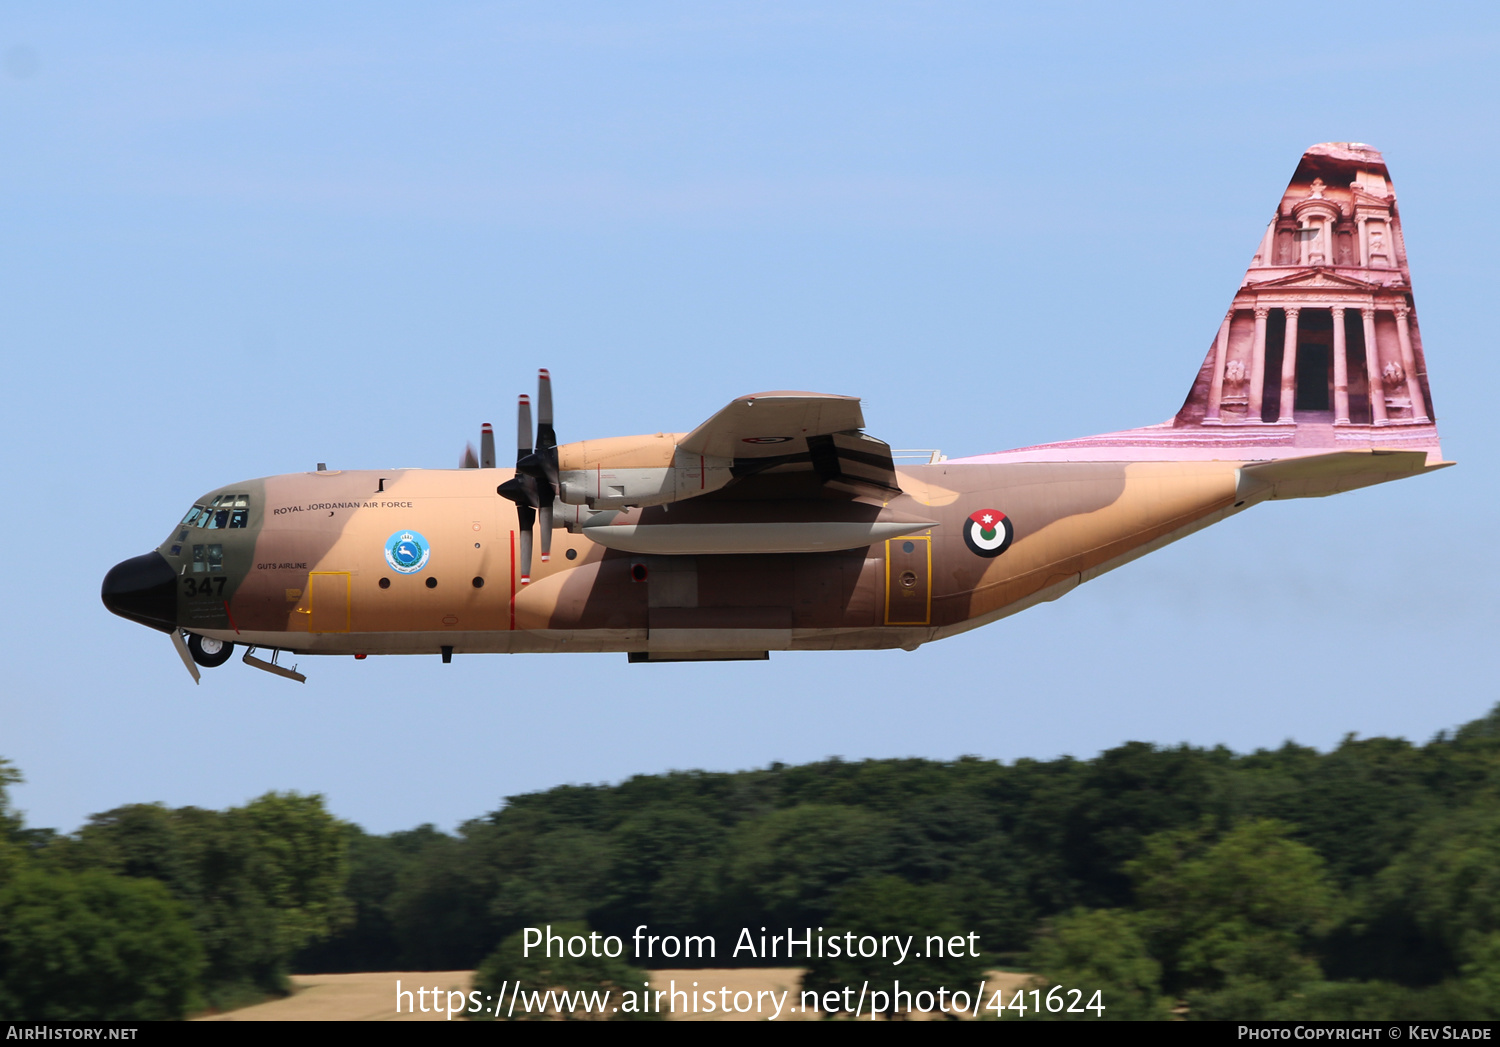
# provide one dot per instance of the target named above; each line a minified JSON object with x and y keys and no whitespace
{"x":988,"y":532}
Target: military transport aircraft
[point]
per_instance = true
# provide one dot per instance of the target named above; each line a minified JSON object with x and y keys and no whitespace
{"x":779,"y":525}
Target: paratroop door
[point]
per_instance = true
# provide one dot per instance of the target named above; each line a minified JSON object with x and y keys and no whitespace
{"x":908,"y":581}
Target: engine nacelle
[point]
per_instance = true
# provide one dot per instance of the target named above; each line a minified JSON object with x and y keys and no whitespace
{"x":637,"y":470}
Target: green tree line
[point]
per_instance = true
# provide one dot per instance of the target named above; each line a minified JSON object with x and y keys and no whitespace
{"x":148,"y":912}
{"x":1181,"y":881}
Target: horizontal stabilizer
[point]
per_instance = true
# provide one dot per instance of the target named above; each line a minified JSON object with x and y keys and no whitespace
{"x":1316,"y":476}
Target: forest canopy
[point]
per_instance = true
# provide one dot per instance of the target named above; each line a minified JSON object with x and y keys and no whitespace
{"x":1360,"y":882}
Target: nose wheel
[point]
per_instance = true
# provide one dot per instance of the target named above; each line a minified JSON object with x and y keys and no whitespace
{"x":208,"y":652}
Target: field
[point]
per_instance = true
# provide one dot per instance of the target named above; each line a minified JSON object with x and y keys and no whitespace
{"x":371,"y":996}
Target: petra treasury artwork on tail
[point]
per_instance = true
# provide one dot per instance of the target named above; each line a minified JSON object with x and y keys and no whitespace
{"x":779,"y":525}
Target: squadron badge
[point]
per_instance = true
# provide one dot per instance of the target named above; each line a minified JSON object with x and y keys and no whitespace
{"x":988,"y":532}
{"x":407,"y":552}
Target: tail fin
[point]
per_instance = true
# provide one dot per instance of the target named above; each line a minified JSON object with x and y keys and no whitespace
{"x":1320,"y":347}
{"x":1319,"y":350}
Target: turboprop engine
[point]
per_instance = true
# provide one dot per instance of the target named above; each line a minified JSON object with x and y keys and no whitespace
{"x":629,"y":471}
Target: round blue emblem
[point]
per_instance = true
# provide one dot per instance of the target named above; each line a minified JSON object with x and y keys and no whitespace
{"x":407,"y":552}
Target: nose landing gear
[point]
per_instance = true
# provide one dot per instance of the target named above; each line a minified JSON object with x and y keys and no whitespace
{"x":210,"y":653}
{"x":207,"y":651}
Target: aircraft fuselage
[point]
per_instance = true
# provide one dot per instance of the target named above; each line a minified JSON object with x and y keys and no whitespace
{"x":318,"y":568}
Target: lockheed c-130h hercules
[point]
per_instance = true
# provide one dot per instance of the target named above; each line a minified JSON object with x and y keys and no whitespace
{"x":779,"y":525}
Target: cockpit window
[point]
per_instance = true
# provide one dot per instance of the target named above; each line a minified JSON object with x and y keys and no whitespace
{"x":226,"y":510}
{"x":208,"y":558}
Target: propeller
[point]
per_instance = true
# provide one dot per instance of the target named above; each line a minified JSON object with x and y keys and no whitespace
{"x":486,"y":457}
{"x":546,"y":450}
{"x":534,"y":488}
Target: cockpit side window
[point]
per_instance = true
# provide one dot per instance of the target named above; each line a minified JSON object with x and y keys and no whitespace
{"x":226,"y":510}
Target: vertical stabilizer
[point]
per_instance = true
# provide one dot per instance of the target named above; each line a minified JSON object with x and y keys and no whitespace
{"x":1321,"y":341}
{"x":1320,"y":349}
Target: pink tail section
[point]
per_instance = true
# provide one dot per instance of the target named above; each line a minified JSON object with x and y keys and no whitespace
{"x":1323,"y":329}
{"x":1320,"y":349}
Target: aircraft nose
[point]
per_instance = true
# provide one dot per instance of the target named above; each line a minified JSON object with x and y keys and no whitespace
{"x":143,"y":589}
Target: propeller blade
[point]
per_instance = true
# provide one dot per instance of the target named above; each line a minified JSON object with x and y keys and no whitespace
{"x":523,"y":428}
{"x":545,"y":512}
{"x":544,"y":398}
{"x":546,"y":436}
{"x":468,"y":461}
{"x":521,"y":488}
{"x":526,"y":517}
{"x":487,"y":447}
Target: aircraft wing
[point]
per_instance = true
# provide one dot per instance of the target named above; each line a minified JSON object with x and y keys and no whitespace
{"x":800,"y":436}
{"x":762,"y":424}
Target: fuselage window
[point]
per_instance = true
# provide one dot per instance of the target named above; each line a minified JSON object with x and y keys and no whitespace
{"x":208,"y":558}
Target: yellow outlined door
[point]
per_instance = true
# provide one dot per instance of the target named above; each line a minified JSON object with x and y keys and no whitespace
{"x":330,"y":602}
{"x":908,"y":580}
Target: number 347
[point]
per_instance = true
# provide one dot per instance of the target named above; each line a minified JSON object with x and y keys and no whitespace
{"x":203,"y":587}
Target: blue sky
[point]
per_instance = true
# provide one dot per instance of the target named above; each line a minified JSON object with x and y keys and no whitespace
{"x":239,"y":241}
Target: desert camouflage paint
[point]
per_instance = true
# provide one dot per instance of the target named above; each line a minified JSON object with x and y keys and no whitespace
{"x":779,"y":525}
